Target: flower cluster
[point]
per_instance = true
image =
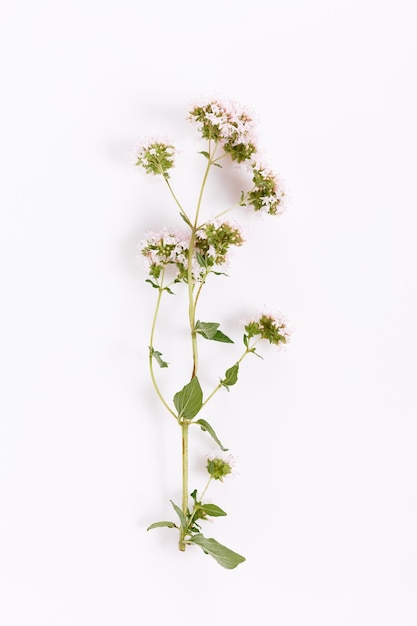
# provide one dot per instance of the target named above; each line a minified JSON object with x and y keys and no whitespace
{"x":267,"y":193}
{"x":171,"y":248}
{"x":156,"y":156}
{"x":271,"y":327}
{"x":218,"y":468}
{"x":228,"y":125}
{"x":214,"y":240}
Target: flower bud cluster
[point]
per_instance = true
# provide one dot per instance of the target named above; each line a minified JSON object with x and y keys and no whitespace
{"x":218,"y":468}
{"x":267,"y":193}
{"x":171,"y":248}
{"x":270,"y":327}
{"x":156,"y":157}
{"x":228,"y":125}
{"x":214,"y":240}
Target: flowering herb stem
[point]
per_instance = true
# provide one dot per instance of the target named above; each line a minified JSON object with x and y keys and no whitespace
{"x":191,"y":256}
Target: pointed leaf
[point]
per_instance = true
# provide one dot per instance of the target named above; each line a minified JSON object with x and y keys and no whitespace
{"x":154,"y":285}
{"x":157,"y":356}
{"x":230,"y":377}
{"x":224,"y":556}
{"x":185,"y":218}
{"x":207,"y":329}
{"x":206,"y":427}
{"x":213,"y":510}
{"x":201,"y":260}
{"x":180,"y":514}
{"x":159,"y":524}
{"x":189,"y":400}
{"x":204,"y":153}
{"x":219,"y":336}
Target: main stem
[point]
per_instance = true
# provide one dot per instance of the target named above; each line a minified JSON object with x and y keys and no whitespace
{"x":184,"y":429}
{"x":191,"y":316}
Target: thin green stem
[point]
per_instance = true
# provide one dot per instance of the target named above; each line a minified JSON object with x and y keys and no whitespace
{"x":199,"y":290}
{"x":226,"y":210}
{"x":248,"y":350}
{"x":190,"y":279}
{"x":184,"y":438}
{"x":203,"y":493}
{"x":178,"y":203}
{"x":190,"y":521}
{"x":151,"y":368}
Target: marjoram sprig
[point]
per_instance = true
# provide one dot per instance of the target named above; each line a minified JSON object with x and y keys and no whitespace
{"x":184,"y":259}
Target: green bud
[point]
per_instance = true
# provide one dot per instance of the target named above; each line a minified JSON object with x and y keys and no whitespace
{"x":156,"y":158}
{"x":218,"y":468}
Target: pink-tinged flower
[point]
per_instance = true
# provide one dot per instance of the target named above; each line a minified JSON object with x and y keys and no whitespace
{"x":163,"y":249}
{"x":267,"y":194}
{"x":270,"y":326}
{"x":156,"y":156}
{"x":214,"y":240}
{"x":228,"y":124}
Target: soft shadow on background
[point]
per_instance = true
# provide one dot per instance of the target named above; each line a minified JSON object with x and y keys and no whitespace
{"x":324,"y":501}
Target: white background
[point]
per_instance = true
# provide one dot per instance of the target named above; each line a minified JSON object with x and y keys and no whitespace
{"x":324,"y":500}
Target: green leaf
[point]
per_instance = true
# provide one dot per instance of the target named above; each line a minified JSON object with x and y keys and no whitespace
{"x":209,"y":330}
{"x":201,"y":260}
{"x":185,"y":218}
{"x":204,"y":153}
{"x":180,"y":514}
{"x":154,"y":285}
{"x":157,"y":356}
{"x":230,"y":377}
{"x":217,"y":164}
{"x":224,"y":556}
{"x":219,"y":336}
{"x":189,"y":400}
{"x":159,"y":524}
{"x":168,"y":290}
{"x":213,"y":510}
{"x":206,"y":427}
